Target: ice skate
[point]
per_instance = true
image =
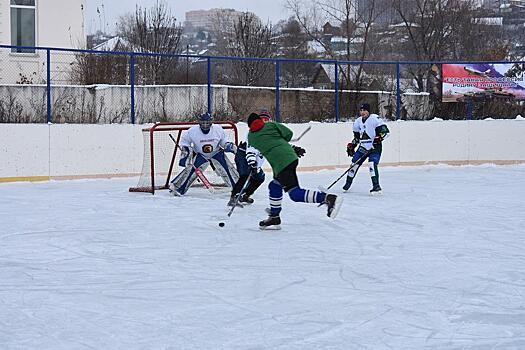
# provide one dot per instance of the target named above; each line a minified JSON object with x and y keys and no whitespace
{"x":272,"y":223}
{"x":232,"y":201}
{"x":333,"y":203}
{"x":348,"y":183}
{"x":246,"y":199}
{"x":376,"y":190}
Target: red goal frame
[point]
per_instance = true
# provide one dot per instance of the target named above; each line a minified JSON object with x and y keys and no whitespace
{"x":149,"y":134}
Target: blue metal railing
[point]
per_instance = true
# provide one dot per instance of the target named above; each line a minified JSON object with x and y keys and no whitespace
{"x":277,"y":63}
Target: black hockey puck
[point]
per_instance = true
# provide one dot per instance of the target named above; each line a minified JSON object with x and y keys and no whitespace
{"x":221,"y":224}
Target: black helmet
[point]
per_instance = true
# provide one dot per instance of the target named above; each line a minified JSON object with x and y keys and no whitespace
{"x":205,"y":121}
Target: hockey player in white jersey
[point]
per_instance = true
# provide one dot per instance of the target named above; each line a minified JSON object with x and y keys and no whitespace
{"x":202,"y":145}
{"x":369,"y":132}
{"x":249,"y":162}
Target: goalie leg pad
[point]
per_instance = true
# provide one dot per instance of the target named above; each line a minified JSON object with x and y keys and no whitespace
{"x":183,"y":180}
{"x":225,"y":169}
{"x":187,"y":176}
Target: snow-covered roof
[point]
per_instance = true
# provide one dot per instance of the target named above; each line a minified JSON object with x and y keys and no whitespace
{"x":338,"y":39}
{"x":314,"y":46}
{"x":112,"y":44}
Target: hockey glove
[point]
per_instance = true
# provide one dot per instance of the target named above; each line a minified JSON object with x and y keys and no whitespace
{"x":350,"y":149}
{"x":184,"y":157}
{"x":299,"y":151}
{"x":251,"y":159}
{"x":254,"y":171}
{"x":242,"y":146}
{"x":377,"y":140}
{"x":230,"y":147}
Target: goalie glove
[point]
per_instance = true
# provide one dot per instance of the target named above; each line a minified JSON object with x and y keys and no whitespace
{"x":185,"y":158}
{"x":299,"y":151}
{"x":230,"y":147}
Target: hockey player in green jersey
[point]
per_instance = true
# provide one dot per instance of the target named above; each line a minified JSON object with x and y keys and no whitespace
{"x":369,"y":132}
{"x":271,"y":139}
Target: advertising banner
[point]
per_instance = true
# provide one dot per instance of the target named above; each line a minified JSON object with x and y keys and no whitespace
{"x":483,"y":82}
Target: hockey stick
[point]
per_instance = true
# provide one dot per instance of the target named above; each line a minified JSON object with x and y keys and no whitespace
{"x":198,"y":172}
{"x":348,"y":170}
{"x":295,"y":139}
{"x":241,"y":192}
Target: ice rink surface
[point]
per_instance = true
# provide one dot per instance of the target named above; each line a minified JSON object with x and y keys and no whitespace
{"x":436,"y":262}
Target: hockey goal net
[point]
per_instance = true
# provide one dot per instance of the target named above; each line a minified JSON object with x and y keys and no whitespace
{"x":161,"y":155}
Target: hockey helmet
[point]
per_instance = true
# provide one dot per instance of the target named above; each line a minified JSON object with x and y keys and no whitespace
{"x":205,"y":121}
{"x":265,"y":115}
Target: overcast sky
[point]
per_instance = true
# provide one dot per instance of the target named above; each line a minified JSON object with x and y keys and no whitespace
{"x":111,"y":10}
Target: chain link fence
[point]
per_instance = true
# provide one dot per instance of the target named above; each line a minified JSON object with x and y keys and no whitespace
{"x":83,"y":86}
{"x":23,"y":92}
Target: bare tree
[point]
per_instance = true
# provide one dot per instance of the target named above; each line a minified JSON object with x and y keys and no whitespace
{"x":293,"y":40}
{"x":293,"y":43}
{"x":356,"y":26}
{"x":153,"y":30}
{"x":248,"y":38}
{"x":91,"y":69}
{"x":443,"y":29}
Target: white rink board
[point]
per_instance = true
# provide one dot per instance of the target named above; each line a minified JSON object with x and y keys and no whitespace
{"x":76,"y":151}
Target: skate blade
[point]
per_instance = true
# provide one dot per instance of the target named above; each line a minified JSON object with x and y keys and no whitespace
{"x":337,"y":206}
{"x":270,"y":228}
{"x":376,"y":193}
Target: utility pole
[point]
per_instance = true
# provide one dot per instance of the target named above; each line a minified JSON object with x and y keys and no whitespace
{"x":187,"y":63}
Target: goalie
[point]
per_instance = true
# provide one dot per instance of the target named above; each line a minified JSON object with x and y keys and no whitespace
{"x":202,"y":145}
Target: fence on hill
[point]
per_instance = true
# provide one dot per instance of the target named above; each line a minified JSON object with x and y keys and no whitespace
{"x":57,"y":85}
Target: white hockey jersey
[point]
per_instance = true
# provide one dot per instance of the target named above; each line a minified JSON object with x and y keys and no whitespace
{"x":252,"y":152}
{"x":367,"y":129}
{"x":206,"y":144}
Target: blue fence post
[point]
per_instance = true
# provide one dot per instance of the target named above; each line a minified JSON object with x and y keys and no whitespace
{"x":398,"y":91}
{"x":132,"y":86}
{"x":209,"y":84}
{"x":48,"y":87}
{"x":336,"y":91}
{"x":277,"y":91}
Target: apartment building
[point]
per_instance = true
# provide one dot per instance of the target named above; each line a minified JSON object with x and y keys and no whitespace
{"x":44,"y":23}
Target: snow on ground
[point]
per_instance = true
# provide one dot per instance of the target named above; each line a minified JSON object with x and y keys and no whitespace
{"x":437,"y":262}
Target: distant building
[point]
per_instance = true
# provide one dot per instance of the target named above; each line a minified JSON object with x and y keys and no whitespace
{"x":382,"y":12}
{"x":315,"y":48}
{"x":324,"y":76}
{"x":199,"y":20}
{"x":52,"y":23}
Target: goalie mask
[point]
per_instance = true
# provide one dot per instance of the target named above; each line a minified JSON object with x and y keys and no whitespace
{"x":205,"y":121}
